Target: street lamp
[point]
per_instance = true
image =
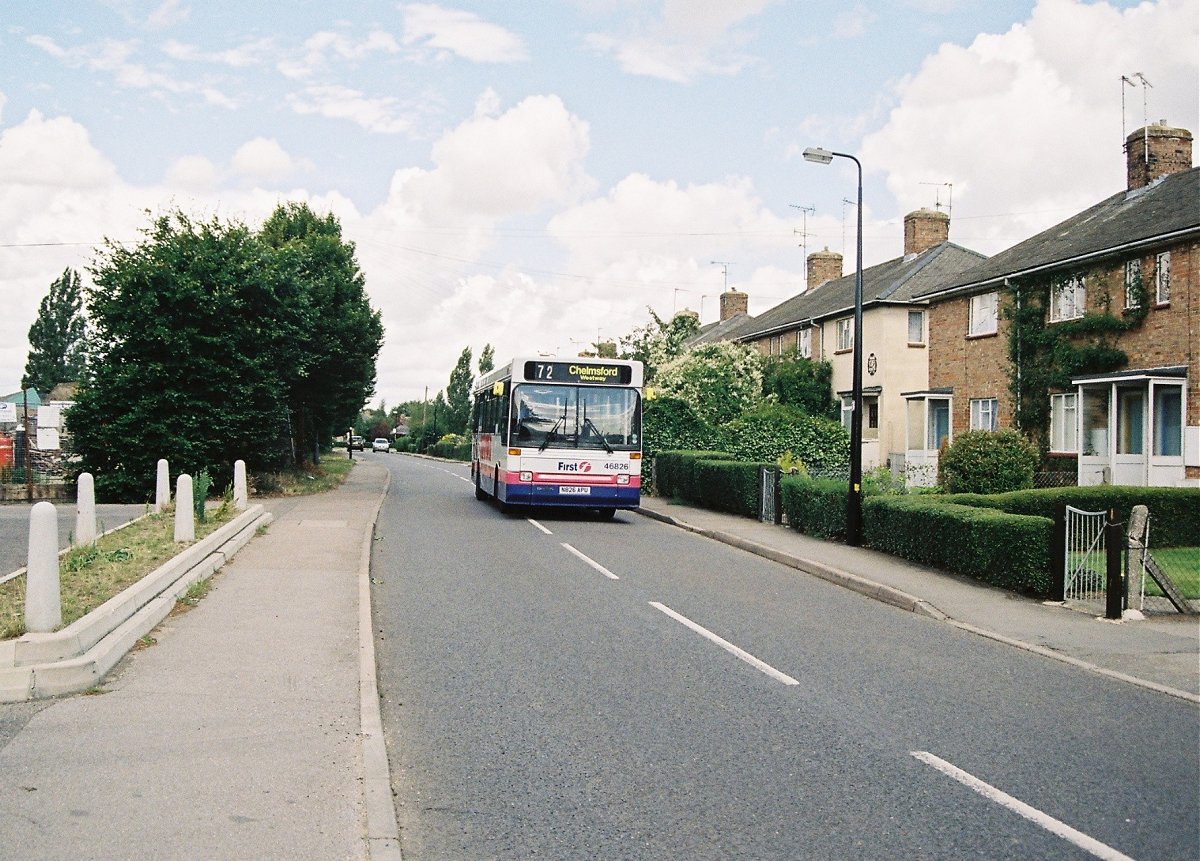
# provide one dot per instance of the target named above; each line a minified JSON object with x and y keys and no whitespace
{"x":854,"y":500}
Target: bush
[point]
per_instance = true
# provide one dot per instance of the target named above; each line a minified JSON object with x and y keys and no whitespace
{"x":671,"y":424}
{"x":675,"y":472}
{"x":1007,"y":550}
{"x":1174,"y":511}
{"x":728,"y":485}
{"x":988,"y":462}
{"x":452,"y":447}
{"x":772,"y":431}
{"x":816,"y":507}
{"x":721,"y":381}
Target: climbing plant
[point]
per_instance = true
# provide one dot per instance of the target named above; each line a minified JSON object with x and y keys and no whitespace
{"x":1045,"y":356}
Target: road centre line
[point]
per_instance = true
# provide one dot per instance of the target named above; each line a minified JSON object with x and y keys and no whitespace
{"x":761,"y":666}
{"x":592,"y":562}
{"x":539,"y":526}
{"x":1054,"y":826}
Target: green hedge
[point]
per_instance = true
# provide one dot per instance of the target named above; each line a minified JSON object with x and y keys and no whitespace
{"x":709,"y":479}
{"x":1174,"y":511}
{"x":1007,"y":550}
{"x":675,"y":471}
{"x":815,"y":507}
{"x":451,"y":450}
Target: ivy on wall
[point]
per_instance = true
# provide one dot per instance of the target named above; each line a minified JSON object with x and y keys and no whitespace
{"x":1045,"y":356}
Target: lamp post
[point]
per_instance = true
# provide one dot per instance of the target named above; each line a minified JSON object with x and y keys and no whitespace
{"x":854,"y":500}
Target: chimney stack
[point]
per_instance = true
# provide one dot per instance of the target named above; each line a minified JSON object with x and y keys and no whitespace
{"x":1156,"y":151}
{"x":734,"y":302}
{"x":924,"y":229}
{"x":823,"y":266}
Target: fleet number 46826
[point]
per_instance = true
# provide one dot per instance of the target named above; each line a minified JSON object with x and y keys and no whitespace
{"x":617,"y":467}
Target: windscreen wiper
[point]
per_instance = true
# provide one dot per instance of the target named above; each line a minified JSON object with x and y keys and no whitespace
{"x":553,"y":433}
{"x":587,"y":423}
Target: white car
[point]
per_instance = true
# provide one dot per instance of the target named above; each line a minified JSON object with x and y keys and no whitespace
{"x":381,"y":444}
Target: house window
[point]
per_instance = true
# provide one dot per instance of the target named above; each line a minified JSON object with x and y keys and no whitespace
{"x":871,"y":408}
{"x":983,"y":314}
{"x":845,"y":334}
{"x":1162,"y":278}
{"x":1068,"y":300}
{"x":916,"y":327}
{"x":1062,"y":423}
{"x":983,"y":414}
{"x":1133,"y":280}
{"x":1168,"y":421}
{"x":847,"y":412}
{"x":804,"y":342}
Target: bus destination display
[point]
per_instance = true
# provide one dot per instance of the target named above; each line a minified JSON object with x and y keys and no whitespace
{"x":578,"y":372}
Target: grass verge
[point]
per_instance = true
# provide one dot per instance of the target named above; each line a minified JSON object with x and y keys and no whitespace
{"x":89,"y":576}
{"x":327,"y":475}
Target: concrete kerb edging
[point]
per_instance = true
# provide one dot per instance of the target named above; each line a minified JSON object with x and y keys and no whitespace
{"x":878,"y":591}
{"x":904,"y":601}
{"x":383,"y":834}
{"x":78,"y":657}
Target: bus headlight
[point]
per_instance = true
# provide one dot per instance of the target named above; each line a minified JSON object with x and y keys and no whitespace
{"x":526,"y":476}
{"x":622,"y":479}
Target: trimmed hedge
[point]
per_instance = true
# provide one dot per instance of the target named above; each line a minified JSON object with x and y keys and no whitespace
{"x":815,"y":507}
{"x":1174,"y":511}
{"x":451,"y":450}
{"x":710,"y":480}
{"x":1007,"y":550}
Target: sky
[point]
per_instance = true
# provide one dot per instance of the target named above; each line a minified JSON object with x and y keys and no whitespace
{"x":538,"y":175}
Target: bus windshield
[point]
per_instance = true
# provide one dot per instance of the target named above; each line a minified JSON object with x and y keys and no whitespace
{"x":576,"y":417}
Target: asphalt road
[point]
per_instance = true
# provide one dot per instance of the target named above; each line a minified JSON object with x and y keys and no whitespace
{"x":14,"y":528}
{"x":567,"y":688}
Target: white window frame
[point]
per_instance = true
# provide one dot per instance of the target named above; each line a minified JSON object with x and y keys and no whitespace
{"x":804,"y":342}
{"x":985,"y":414}
{"x":984,"y":314}
{"x":1162,"y":278}
{"x":1068,"y":300}
{"x":1133,"y":273}
{"x":1064,"y":423}
{"x":919,"y":315}
{"x":845,"y":334}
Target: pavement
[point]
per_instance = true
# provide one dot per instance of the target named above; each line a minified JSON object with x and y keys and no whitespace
{"x":251,"y":727}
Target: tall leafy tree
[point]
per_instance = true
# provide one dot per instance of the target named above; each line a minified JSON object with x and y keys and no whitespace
{"x":329,"y":372}
{"x":487,"y":360}
{"x":659,"y":341}
{"x":184,"y":359}
{"x":458,"y":393}
{"x":57,"y":336}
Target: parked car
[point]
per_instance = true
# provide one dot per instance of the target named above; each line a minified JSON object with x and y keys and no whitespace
{"x":381,"y":444}
{"x":357,"y":442}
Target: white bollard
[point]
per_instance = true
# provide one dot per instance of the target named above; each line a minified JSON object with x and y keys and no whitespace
{"x":185,"y":515}
{"x":162,"y":488}
{"x":240,"y":497}
{"x":43,"y":600}
{"x":85,"y":510}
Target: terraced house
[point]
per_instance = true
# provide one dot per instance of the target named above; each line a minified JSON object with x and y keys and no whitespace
{"x":1086,"y":335}
{"x":819,"y":324}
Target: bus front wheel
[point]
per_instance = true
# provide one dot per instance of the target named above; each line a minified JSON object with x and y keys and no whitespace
{"x":480,"y":493}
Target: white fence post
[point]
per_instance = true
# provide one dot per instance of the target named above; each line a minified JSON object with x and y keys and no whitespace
{"x":43,"y":600}
{"x":85,"y":510}
{"x":240,"y":497}
{"x":162,"y":488}
{"x":185,"y":515}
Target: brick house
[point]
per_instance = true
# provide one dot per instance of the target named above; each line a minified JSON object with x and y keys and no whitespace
{"x":1085,"y":336}
{"x":819,"y":324}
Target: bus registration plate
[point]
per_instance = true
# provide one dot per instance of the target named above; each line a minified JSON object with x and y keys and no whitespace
{"x":564,"y":490}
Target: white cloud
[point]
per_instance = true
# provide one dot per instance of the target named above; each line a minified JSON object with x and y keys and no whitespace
{"x":383,"y":115}
{"x":193,"y":173}
{"x":692,"y":39}
{"x":322,"y":48}
{"x":497,"y":166}
{"x":3,"y":99}
{"x":252,"y":53}
{"x":263,"y":159}
{"x":168,"y":14}
{"x":454,"y":32}
{"x":1026,"y":123}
